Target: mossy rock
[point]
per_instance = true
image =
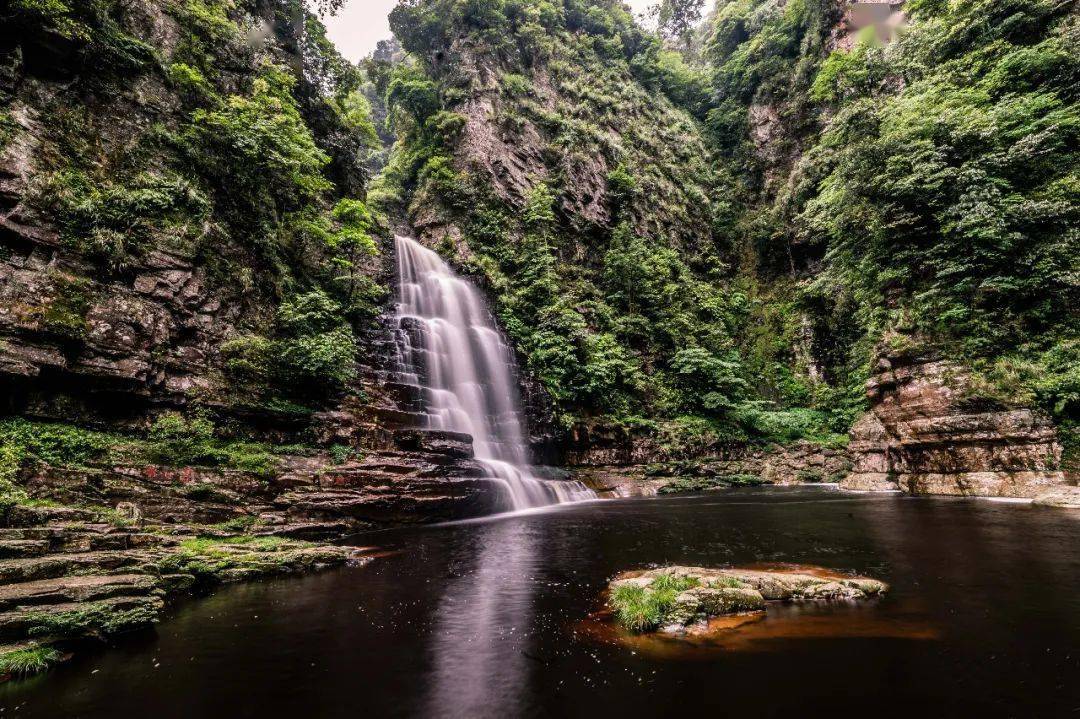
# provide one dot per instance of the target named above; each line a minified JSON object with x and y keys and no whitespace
{"x":673,"y":598}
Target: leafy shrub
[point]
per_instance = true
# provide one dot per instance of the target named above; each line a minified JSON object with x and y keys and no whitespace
{"x":59,"y":445}
{"x":259,"y":153}
{"x":790,"y":425}
{"x":178,"y":440}
{"x":342,"y":453}
{"x":117,"y":221}
{"x":189,"y":80}
{"x":320,"y":348}
{"x":709,"y":382}
{"x":326,"y":358}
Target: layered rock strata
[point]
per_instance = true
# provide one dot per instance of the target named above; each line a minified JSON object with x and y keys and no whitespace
{"x":925,"y":435}
{"x":70,"y":574}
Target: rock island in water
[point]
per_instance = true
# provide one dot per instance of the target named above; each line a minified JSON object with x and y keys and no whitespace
{"x":676,"y":599}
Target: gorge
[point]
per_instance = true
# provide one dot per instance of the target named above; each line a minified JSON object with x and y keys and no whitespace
{"x":537,"y":294}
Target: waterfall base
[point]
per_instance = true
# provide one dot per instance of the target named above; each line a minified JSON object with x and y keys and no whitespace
{"x":451,"y":354}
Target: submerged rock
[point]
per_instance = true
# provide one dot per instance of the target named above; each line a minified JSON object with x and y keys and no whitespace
{"x":1065,"y":497}
{"x":673,"y":599}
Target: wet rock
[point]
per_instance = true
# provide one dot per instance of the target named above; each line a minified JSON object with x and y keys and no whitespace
{"x":451,"y":444}
{"x":1063,"y":497}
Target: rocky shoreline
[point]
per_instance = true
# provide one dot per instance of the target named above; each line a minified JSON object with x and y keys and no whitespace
{"x":70,"y":574}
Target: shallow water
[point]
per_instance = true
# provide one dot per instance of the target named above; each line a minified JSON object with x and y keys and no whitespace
{"x":485,"y":619}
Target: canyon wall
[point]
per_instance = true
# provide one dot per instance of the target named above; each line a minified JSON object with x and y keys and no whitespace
{"x":925,"y":434}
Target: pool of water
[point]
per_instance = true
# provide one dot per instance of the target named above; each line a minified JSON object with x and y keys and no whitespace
{"x":487,"y":619}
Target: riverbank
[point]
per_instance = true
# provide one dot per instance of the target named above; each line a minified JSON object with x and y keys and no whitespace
{"x":69,"y":574}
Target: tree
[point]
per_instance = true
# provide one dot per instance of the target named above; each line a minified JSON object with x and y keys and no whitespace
{"x":676,"y":19}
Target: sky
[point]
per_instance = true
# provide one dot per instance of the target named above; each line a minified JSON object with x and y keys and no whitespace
{"x":362,"y":23}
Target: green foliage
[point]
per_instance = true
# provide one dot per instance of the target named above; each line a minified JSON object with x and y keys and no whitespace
{"x":210,"y":559}
{"x":115,"y":222}
{"x":356,"y":115}
{"x":179,"y":440}
{"x":93,"y":27}
{"x":24,"y":444}
{"x":643,"y":609}
{"x":30,"y":661}
{"x":678,"y":18}
{"x":1050,"y":380}
{"x":259,"y":152}
{"x":318,"y":348}
{"x":176,"y":440}
{"x":704,"y":378}
{"x":91,"y":618}
{"x":63,"y":313}
{"x":949,"y":208}
{"x":188,"y":80}
{"x":342,"y":453}
{"x":314,"y":352}
{"x":238,"y":524}
{"x":703,"y":484}
{"x":846,"y":74}
{"x":59,"y":445}
{"x":413,"y":94}
{"x":9,"y":128}
{"x":11,"y":460}
{"x":789,"y":425}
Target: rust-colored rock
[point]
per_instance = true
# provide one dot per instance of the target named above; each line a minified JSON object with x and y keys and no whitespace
{"x":924,"y":435}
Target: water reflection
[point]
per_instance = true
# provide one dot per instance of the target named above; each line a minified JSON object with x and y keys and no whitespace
{"x":479,"y":644}
{"x":483,"y":619}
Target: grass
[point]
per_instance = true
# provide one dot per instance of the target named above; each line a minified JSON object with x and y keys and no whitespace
{"x":643,"y":609}
{"x":726,"y":583}
{"x":26,"y":662}
{"x":257,"y":544}
{"x":239,"y":524}
{"x":92,"y":618}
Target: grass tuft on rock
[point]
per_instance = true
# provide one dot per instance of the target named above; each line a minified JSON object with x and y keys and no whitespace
{"x":29,"y":661}
{"x":643,"y":609}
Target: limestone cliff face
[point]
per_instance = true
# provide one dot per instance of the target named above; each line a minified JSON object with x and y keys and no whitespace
{"x":924,"y":436}
{"x":67,"y":323}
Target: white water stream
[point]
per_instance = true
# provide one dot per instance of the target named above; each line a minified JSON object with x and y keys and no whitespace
{"x":451,"y":349}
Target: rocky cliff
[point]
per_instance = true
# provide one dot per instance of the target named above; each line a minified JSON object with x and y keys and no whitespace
{"x":183,"y":238}
{"x":925,"y":434}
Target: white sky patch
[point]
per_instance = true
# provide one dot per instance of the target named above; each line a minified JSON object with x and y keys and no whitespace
{"x":362,"y":23}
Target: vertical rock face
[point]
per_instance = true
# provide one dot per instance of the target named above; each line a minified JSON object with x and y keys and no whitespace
{"x":924,"y":436}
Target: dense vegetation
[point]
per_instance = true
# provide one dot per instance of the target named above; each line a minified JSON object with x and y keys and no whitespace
{"x":611,"y":262}
{"x":254,"y":163}
{"x":934,"y":177}
{"x":916,"y":189}
{"x":710,"y":230}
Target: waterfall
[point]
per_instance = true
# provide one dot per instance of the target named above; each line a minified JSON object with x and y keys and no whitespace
{"x":450,"y":348}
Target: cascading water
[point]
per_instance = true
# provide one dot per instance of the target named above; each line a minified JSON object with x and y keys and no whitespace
{"x":450,"y":348}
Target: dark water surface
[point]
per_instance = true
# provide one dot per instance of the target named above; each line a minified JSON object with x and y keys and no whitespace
{"x":484,"y":620}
